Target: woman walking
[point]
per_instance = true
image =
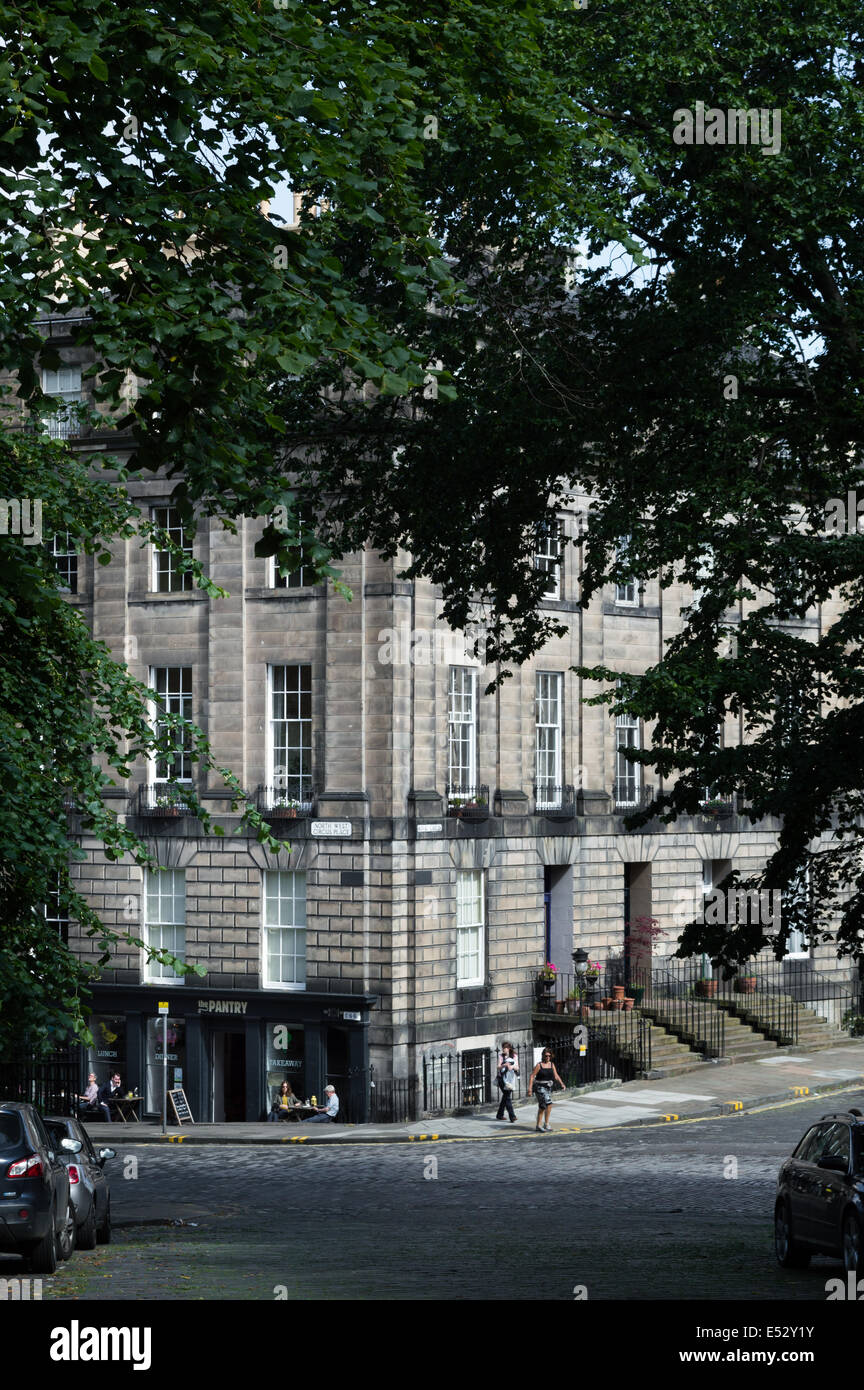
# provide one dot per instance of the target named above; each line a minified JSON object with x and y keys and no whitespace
{"x":508,"y":1070}
{"x":541,"y":1082}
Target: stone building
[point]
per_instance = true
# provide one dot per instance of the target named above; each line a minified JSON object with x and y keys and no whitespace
{"x":444,"y":843}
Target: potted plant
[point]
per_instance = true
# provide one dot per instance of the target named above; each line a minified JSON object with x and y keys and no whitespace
{"x":745,"y":984}
{"x":714,"y":806}
{"x":546,"y":982}
{"x":634,"y":992}
{"x":592,"y":974}
{"x":705,"y":988}
{"x":166,"y":805}
{"x":285,"y":807}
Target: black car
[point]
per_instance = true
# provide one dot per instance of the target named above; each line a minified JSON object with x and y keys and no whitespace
{"x":91,"y":1197}
{"x":36,"y":1215}
{"x":820,"y":1195}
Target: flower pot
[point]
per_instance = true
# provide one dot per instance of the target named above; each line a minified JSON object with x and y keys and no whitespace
{"x":628,"y":1005}
{"x":617,"y":991}
{"x":559,"y":1006}
{"x":745,"y":984}
{"x":636,"y":993}
{"x":617,"y":1003}
{"x":706,"y":989}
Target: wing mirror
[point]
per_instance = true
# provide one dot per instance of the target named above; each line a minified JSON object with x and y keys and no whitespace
{"x":833,"y":1163}
{"x":106,"y":1153}
{"x":71,"y":1146}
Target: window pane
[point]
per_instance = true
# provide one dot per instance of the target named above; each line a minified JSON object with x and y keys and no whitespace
{"x":285,"y":927}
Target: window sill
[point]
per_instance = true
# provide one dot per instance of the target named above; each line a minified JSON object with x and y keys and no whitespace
{"x":182,"y":596}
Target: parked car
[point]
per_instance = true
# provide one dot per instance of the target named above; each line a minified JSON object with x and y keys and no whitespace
{"x":820,"y":1195}
{"x":88,"y":1185}
{"x":37,"y":1219}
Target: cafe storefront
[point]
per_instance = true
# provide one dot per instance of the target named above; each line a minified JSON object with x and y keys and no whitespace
{"x":231,"y":1051}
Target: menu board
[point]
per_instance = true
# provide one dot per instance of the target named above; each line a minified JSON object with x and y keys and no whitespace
{"x":178,"y":1099}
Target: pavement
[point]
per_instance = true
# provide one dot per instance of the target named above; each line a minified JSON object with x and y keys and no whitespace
{"x":709,"y":1091}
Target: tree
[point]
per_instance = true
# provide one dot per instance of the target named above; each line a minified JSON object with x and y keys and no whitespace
{"x":706,"y":392}
{"x":138,"y":150}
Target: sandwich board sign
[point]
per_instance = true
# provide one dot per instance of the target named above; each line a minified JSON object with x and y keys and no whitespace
{"x":180,"y":1106}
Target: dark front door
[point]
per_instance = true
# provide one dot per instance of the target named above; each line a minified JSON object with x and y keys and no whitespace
{"x":228,"y":1063}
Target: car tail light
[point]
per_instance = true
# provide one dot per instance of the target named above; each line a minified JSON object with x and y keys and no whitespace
{"x":26,"y":1168}
{"x":73,"y":1173}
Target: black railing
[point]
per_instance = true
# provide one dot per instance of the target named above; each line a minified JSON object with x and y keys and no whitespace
{"x":628,"y":796}
{"x":555,"y":803}
{"x":292,"y":800}
{"x":50,"y":1084}
{"x":392,"y":1099}
{"x":619,"y":1048}
{"x":453,"y":1081}
{"x":601,"y":1003}
{"x":681,"y":997}
{"x":164,"y":799}
{"x":468,"y":803}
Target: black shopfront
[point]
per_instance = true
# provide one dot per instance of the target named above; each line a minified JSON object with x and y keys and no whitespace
{"x":230,"y":1050}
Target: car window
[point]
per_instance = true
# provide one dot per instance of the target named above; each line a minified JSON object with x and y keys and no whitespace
{"x":858,"y":1152}
{"x":811,"y":1145}
{"x":41,"y":1132}
{"x":55,"y":1134}
{"x":837,"y":1142}
{"x":10,"y":1130}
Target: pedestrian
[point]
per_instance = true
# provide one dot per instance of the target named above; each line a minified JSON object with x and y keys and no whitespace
{"x":508,"y":1070}
{"x":542,"y":1083}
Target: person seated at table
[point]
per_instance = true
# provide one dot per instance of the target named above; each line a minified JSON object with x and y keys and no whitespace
{"x":329,"y":1111}
{"x":284,"y":1102}
{"x":90,"y":1098}
{"x":108,"y":1094}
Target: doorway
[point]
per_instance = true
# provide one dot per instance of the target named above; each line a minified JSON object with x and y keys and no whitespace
{"x":228,"y":1076}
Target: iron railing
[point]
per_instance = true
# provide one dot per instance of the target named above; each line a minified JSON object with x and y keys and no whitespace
{"x":627,"y":797}
{"x":619,"y":1048}
{"x":555,"y":803}
{"x":468,"y":803}
{"x":51,"y":1084}
{"x":452,"y":1081}
{"x":392,"y":1099}
{"x":293,"y":799}
{"x":163,"y":799}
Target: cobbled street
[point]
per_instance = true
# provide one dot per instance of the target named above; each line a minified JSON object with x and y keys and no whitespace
{"x":629,"y":1213}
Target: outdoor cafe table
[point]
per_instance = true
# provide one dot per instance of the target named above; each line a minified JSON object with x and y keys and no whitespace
{"x":127,"y":1107}
{"x":296,"y":1112}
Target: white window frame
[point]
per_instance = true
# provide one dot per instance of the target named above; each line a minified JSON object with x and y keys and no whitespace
{"x":64,"y":423}
{"x":65,"y":551}
{"x":278,"y":779}
{"x":470,"y":928}
{"x":161,"y":889}
{"x":797,"y":947}
{"x":180,"y":697}
{"x":548,"y":738}
{"x":626,"y":771}
{"x":549,"y":556}
{"x":276,"y":902}
{"x":462,"y":700}
{"x":296,"y":580}
{"x":179,"y":582}
{"x":627,"y":594}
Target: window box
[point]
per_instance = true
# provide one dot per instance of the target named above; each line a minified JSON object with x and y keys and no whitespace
{"x":278,"y":804}
{"x":161,"y":801}
{"x":555,"y":803}
{"x":468,"y":803}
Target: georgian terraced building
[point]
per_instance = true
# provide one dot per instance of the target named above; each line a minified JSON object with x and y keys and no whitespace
{"x":445,"y":843}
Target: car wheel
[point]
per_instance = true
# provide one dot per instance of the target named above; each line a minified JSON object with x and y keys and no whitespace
{"x":853,"y":1247}
{"x":790,"y":1255}
{"x":86,"y":1237}
{"x":66,"y":1234}
{"x":103,"y":1234}
{"x":43,"y":1257}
